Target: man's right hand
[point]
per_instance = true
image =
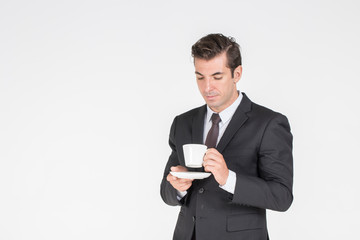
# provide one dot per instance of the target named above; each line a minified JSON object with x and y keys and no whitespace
{"x":180,"y":184}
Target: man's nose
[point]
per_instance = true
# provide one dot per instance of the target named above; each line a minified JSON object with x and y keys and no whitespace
{"x":208,"y":85}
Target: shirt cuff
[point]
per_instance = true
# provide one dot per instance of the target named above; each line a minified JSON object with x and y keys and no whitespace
{"x":180,"y":195}
{"x":229,"y":186}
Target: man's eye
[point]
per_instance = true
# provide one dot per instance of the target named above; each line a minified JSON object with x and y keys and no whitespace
{"x":200,"y":78}
{"x":217,"y":78}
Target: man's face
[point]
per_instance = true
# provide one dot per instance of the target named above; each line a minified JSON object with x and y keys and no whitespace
{"x":215,"y":82}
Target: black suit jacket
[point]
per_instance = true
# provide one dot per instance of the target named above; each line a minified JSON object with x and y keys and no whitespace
{"x":257,"y":146}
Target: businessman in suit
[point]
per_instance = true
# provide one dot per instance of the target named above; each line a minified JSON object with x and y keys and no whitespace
{"x":249,"y":154}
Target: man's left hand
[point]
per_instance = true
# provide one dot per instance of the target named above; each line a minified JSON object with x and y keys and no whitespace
{"x":214,"y":162}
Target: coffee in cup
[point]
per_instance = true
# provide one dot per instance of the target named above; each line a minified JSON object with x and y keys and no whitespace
{"x":194,"y":155}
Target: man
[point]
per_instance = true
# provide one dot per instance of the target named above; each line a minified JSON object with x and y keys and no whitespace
{"x":250,"y":161}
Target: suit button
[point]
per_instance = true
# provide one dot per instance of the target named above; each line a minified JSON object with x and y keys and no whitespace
{"x":201,"y":190}
{"x":193,"y":218}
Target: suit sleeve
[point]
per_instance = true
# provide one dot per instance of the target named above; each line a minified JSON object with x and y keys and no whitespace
{"x":167,"y":191}
{"x":272,"y":188}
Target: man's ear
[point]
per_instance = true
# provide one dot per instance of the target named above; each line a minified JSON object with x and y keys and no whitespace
{"x":237,"y":73}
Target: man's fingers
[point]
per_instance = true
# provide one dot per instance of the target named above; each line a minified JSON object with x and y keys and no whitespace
{"x":185,"y":188}
{"x":212,"y":156}
{"x":211,"y":162}
{"x":178,"y":169}
{"x":180,"y":184}
{"x":185,"y":180}
{"x":212,"y":151}
{"x":171,"y":178}
{"x":209,"y":169}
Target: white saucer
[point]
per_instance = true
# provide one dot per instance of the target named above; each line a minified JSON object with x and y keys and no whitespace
{"x":191,"y":175}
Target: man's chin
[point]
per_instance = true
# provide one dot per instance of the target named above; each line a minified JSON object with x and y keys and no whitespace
{"x":213,"y":106}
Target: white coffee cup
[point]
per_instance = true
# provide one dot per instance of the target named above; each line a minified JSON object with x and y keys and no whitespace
{"x":194,"y":154}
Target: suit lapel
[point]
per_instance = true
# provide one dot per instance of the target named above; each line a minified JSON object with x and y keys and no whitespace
{"x":198,"y":126}
{"x":238,"y":119}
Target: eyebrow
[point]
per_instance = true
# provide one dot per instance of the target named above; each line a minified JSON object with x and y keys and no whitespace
{"x":217,"y":73}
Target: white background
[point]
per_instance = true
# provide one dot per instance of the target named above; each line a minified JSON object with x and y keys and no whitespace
{"x":88,"y":91}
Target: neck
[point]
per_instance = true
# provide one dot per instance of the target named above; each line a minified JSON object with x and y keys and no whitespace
{"x":231,"y":101}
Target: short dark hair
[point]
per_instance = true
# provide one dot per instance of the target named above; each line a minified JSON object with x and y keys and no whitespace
{"x":215,"y":44}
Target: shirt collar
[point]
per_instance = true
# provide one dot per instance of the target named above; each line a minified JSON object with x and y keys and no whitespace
{"x":227,"y":113}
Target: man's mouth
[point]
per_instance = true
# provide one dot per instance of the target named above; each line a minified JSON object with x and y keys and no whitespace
{"x":210,"y":96}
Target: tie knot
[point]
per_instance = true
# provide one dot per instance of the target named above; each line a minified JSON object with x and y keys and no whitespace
{"x":215,"y":118}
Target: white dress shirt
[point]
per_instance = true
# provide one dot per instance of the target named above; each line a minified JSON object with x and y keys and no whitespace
{"x":225,"y":116}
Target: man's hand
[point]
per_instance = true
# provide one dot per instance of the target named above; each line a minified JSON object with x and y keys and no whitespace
{"x":180,"y":184}
{"x":214,"y":162}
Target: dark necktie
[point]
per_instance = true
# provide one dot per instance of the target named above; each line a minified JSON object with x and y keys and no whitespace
{"x":213,"y":134}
